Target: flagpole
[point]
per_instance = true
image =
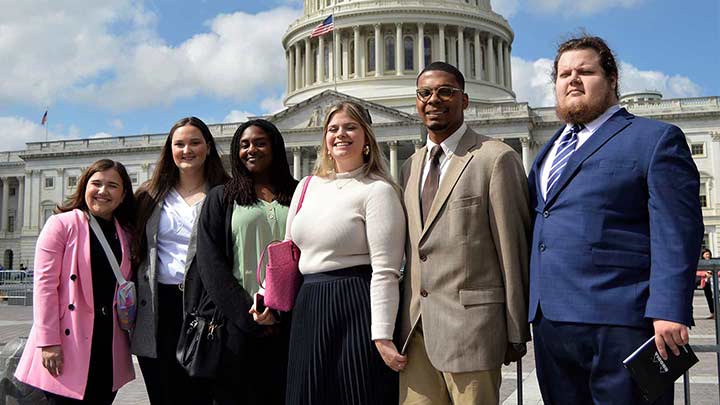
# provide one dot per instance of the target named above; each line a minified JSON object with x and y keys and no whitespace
{"x":336,"y":68}
{"x":46,"y":124}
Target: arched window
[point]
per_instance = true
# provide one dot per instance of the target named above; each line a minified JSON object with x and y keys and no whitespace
{"x":427,"y":51}
{"x":371,"y":54}
{"x":472,"y":60}
{"x":390,"y":53}
{"x":409,"y":44}
{"x":351,"y":58}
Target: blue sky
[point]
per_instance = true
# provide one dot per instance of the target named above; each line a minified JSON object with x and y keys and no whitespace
{"x":122,"y":67}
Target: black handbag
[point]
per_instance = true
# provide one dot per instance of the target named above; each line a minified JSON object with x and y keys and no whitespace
{"x":200,"y":345}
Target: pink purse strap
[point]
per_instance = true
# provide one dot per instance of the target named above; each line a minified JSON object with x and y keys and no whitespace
{"x":258,"y":270}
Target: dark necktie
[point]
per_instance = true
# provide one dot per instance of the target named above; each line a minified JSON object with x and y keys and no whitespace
{"x":431,"y":182}
{"x":564,"y":150}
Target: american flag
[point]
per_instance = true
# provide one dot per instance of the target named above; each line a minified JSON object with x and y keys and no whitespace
{"x":323,"y":28}
{"x":43,"y":121}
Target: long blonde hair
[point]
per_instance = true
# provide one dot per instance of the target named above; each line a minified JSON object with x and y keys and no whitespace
{"x":375,"y":161}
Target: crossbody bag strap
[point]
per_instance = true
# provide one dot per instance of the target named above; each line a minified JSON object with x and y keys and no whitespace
{"x":106,"y":247}
{"x":302,"y":195}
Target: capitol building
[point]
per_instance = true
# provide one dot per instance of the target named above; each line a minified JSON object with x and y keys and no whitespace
{"x":372,"y":56}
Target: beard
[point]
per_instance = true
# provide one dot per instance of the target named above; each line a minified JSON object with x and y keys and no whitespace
{"x":584,"y":112}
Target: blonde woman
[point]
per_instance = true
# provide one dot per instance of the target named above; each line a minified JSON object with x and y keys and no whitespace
{"x":351,"y":232}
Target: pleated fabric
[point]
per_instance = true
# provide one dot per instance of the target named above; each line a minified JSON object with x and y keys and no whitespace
{"x":332,"y":358}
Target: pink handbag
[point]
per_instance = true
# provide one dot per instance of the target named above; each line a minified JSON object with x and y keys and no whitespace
{"x":282,"y":276}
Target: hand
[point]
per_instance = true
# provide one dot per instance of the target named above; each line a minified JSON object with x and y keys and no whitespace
{"x":264,"y":318}
{"x":672,"y":334}
{"x":52,"y":359}
{"x":390,"y":355}
{"x":514,"y":352}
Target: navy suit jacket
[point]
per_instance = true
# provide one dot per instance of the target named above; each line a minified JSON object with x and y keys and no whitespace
{"x":617,"y":240}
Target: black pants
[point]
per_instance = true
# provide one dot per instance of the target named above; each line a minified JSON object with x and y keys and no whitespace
{"x":709,"y":296}
{"x":165,"y":381}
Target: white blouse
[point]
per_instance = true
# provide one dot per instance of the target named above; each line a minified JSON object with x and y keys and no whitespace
{"x":176,"y":222}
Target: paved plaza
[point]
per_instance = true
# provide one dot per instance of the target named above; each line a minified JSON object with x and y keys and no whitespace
{"x":15,"y":321}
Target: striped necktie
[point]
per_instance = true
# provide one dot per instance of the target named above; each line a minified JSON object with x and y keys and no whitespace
{"x":431,"y":182}
{"x":564,"y":150}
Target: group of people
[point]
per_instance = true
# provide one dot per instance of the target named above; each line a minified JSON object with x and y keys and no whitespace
{"x":596,"y":248}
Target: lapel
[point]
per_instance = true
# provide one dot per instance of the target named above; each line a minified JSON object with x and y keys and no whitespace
{"x":83,"y":265}
{"x":412,"y":189}
{"x":192,"y":245}
{"x":151,"y":232}
{"x":609,"y":129}
{"x":456,"y":165}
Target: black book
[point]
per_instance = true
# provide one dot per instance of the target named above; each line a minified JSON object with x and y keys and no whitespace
{"x":654,"y":375}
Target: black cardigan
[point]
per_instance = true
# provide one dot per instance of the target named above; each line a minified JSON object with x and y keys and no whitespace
{"x":211,"y":271}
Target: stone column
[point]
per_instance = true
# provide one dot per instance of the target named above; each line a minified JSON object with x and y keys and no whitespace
{"x":337,"y":56}
{"x":378,"y":55}
{"x":298,"y":68}
{"x":461,"y":50}
{"x":346,"y":58}
{"x":297,"y":162}
{"x":21,"y":202}
{"x":291,"y":70}
{"x":508,"y":68}
{"x":490,"y":59}
{"x":452,"y":51}
{"x":5,"y":201}
{"x":421,"y":47}
{"x":501,"y":64}
{"x":27,"y":199}
{"x":399,"y":50}
{"x":478,"y":63}
{"x":525,"y":142}
{"x":308,"y":62}
{"x":321,"y":62}
{"x":356,"y":39}
{"x":393,"y":159}
{"x":441,"y":33}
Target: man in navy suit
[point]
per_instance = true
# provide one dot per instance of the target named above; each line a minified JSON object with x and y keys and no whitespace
{"x":617,"y":233}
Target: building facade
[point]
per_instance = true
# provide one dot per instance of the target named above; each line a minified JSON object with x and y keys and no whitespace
{"x":325,"y":70}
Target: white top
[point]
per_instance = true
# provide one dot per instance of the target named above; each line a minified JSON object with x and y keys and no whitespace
{"x":583,"y":136}
{"x":449,"y":145}
{"x":350,"y":221}
{"x":176,"y":222}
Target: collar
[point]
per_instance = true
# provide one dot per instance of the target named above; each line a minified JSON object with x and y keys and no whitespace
{"x":449,"y":145}
{"x":593,"y":125}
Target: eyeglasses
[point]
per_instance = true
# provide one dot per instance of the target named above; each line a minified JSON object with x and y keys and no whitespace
{"x":444,"y":93}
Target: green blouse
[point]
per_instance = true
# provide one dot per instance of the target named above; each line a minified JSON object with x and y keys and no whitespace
{"x":253,"y":227}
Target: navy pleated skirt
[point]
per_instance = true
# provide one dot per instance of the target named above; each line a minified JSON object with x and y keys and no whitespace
{"x":333,"y":359}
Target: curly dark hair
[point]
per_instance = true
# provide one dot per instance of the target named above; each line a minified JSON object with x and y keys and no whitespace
{"x":241,"y":187}
{"x":597,"y":44}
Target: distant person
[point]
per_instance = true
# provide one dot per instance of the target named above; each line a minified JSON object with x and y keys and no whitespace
{"x":22,"y":266}
{"x":76,"y":352}
{"x":168,"y":207}
{"x":708,"y":288}
{"x":464,"y":308}
{"x":238,"y":220}
{"x":351,"y":232}
{"x":617,"y":225}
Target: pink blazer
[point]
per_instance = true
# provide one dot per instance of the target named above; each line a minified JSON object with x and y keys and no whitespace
{"x":63,"y":277}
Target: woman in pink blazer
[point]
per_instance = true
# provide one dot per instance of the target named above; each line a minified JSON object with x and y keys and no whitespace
{"x":76,"y":351}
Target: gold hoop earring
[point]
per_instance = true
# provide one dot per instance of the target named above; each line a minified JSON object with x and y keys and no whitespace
{"x":366,"y":149}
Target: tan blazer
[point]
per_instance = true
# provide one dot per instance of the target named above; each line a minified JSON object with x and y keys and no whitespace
{"x":467,"y":268}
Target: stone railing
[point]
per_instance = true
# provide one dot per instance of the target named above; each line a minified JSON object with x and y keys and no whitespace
{"x":10,"y":156}
{"x":501,"y":111}
{"x":675,"y":106}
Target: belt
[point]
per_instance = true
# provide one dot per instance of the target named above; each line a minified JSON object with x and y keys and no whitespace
{"x":180,"y":286}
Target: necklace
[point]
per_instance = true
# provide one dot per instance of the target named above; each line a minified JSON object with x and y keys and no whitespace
{"x":339,"y":183}
{"x":187,"y":192}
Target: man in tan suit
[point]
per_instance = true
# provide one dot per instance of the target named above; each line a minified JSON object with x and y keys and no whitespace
{"x":464,"y":305}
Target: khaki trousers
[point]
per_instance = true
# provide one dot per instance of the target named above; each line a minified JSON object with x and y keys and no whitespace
{"x":422,"y":384}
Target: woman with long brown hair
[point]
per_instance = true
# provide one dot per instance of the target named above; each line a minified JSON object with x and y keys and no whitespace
{"x":76,"y":352}
{"x":168,"y":207}
{"x":351,"y":232}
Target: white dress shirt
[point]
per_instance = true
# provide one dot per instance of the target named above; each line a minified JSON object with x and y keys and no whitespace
{"x":583,"y":136}
{"x":176,"y":223}
{"x":449,"y":145}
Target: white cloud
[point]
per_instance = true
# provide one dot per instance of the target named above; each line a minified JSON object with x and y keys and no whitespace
{"x":17,"y":131}
{"x":532,"y":83}
{"x":272,"y":105}
{"x":506,"y":8}
{"x":634,"y":79}
{"x":109,"y":54}
{"x":101,"y":135}
{"x":584,"y":7}
{"x":237,"y":116}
